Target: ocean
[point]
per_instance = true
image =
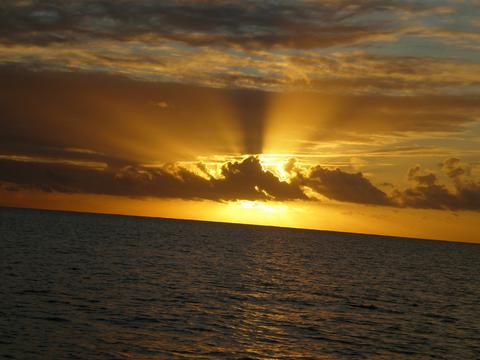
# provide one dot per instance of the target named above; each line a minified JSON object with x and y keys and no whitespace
{"x":90,"y":286}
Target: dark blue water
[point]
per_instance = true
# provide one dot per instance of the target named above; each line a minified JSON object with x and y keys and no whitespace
{"x":84,"y":286}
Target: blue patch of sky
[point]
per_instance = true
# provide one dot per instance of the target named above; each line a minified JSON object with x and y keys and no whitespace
{"x":249,"y":70}
{"x":421,"y":46}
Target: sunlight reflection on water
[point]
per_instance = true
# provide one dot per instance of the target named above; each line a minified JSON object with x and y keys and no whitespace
{"x":85,"y":286}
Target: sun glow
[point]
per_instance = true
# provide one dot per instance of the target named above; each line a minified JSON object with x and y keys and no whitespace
{"x":262,"y":206}
{"x":258,"y":212}
{"x":276,"y":163}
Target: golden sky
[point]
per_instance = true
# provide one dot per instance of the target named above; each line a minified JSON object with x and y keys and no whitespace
{"x":358,"y":116}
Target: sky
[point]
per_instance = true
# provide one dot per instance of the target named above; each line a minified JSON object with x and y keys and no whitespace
{"x":357,"y":116}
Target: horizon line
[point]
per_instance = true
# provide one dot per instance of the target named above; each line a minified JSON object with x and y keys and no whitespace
{"x":232,"y":223}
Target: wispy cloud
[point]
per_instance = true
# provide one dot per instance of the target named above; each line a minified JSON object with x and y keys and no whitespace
{"x":324,"y":46}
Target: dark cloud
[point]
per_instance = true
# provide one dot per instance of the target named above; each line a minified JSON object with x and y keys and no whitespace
{"x":249,"y":24}
{"x":455,"y":168}
{"x":428,"y":193}
{"x":90,"y":133}
{"x":249,"y":43}
{"x":426,"y":179}
{"x":342,"y":186}
{"x":239,"y":180}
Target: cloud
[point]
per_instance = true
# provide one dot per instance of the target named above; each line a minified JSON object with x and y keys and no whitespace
{"x":244,"y":179}
{"x":240,"y":177}
{"x":248,"y":24}
{"x":347,"y":72}
{"x":328,"y":46}
{"x":162,"y":104}
{"x":456,"y":169}
{"x":238,"y":180}
{"x":342,"y":186}
{"x":428,"y":193}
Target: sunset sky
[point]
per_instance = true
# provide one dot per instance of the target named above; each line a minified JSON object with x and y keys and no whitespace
{"x":358,"y":116}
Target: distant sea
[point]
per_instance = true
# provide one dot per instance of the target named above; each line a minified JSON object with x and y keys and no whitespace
{"x":89,"y":286}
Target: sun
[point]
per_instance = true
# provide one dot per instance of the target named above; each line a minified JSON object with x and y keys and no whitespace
{"x":276,"y":163}
{"x":256,"y":212}
{"x":262,"y":206}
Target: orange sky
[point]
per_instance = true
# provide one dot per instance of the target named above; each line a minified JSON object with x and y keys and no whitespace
{"x":339,"y":115}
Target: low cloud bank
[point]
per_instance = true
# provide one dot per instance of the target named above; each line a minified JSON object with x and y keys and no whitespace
{"x":245,"y":179}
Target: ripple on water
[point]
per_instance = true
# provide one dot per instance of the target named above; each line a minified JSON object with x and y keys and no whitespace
{"x":82,"y":286}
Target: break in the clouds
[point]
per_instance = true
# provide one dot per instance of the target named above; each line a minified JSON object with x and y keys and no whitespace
{"x":372,"y":102}
{"x":245,"y":179}
{"x":106,"y":134}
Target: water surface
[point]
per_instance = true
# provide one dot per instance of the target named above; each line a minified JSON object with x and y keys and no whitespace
{"x":85,"y":286}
